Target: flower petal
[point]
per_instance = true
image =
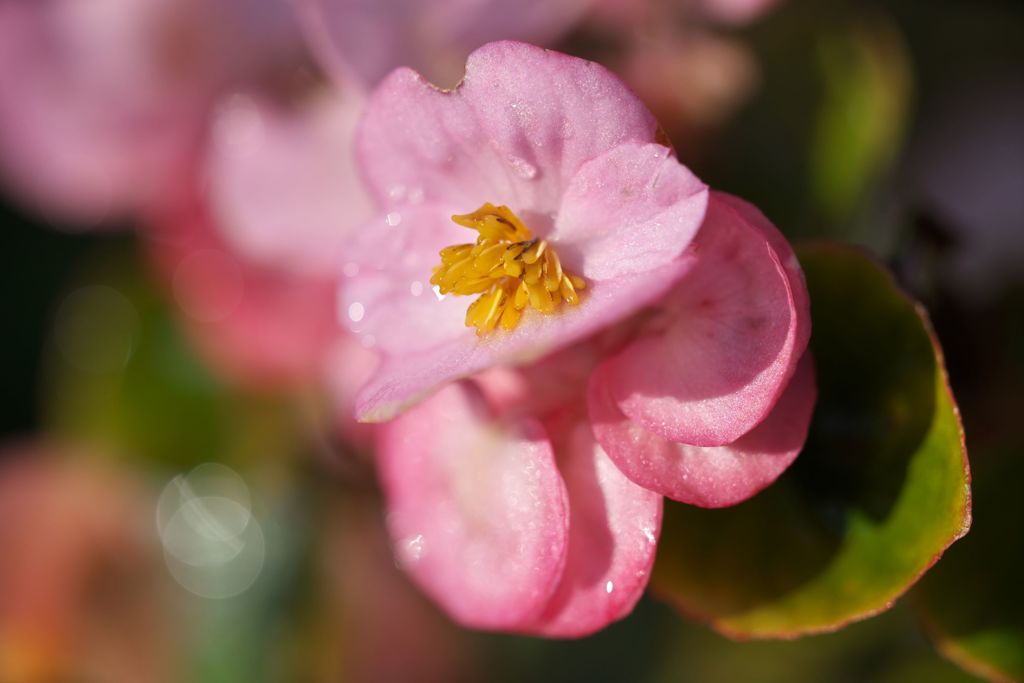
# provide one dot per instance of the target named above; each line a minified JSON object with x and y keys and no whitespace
{"x":283,"y":183}
{"x":386,"y":295}
{"x":613,"y":532}
{"x":708,"y":476}
{"x":476,"y":508}
{"x":515,"y":131}
{"x":628,"y":211}
{"x":732,"y":332}
{"x":779,"y":244}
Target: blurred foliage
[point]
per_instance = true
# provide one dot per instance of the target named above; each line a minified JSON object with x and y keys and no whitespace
{"x":866,"y":73}
{"x":971,"y":603}
{"x":160,"y":404}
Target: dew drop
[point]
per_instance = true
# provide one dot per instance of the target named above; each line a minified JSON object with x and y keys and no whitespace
{"x":412,"y":549}
{"x":356,"y":312}
{"x":397,"y":192}
{"x":523,"y":168}
{"x":393,"y":219}
{"x":609,"y":587}
{"x":416,"y":288}
{"x":438,"y":294}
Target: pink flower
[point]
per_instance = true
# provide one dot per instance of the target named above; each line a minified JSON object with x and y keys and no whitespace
{"x":517,"y":510}
{"x":104,"y":102}
{"x":510,"y":503}
{"x":511,"y":523}
{"x":250,"y":248}
{"x":250,"y":255}
{"x":573,"y":154}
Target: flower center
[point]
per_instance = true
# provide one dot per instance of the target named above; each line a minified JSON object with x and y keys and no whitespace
{"x":508,"y":267}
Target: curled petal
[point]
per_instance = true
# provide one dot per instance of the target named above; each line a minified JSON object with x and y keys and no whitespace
{"x":476,"y":508}
{"x":732,"y":330}
{"x":713,"y":476}
{"x":613,"y":532}
{"x":628,"y":211}
{"x":779,"y":244}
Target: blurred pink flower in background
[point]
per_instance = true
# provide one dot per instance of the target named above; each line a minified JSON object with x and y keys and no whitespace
{"x":104,"y":102}
{"x":695,"y":78}
{"x":81,"y":585}
{"x":683,"y":59}
{"x":505,"y":504}
{"x":736,"y":12}
{"x":366,"y":39}
{"x":251,"y":250}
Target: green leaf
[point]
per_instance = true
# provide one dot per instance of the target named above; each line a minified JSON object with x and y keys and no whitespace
{"x":866,"y":74}
{"x":973,"y":603}
{"x":880,"y":491}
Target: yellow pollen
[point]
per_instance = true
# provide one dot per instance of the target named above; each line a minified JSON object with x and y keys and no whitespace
{"x":507,"y":267}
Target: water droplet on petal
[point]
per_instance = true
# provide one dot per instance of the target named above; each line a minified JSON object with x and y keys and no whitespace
{"x":438,"y":294}
{"x":393,"y":219}
{"x":523,"y":168}
{"x":356,"y":312}
{"x":609,"y":587}
{"x":412,"y":549}
{"x":397,"y":192}
{"x":416,"y":288}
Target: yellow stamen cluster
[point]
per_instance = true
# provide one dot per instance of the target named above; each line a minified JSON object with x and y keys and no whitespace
{"x":507,"y":267}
